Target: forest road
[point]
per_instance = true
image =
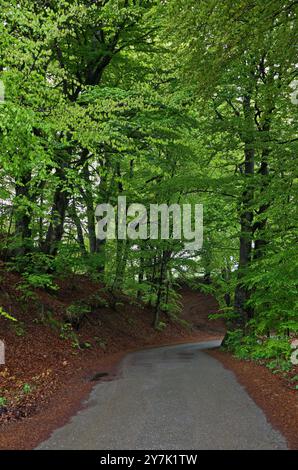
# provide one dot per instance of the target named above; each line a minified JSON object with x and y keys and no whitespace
{"x":175,"y":397}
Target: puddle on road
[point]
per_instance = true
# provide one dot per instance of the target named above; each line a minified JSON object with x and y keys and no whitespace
{"x":99,"y":376}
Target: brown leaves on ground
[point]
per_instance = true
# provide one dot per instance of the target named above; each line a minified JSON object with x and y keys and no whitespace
{"x":42,"y":360}
{"x":272,"y":393}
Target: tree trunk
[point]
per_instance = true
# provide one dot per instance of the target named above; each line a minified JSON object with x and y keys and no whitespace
{"x":259,"y":227}
{"x":141,"y":276}
{"x":242,"y":293}
{"x":56,"y":227}
{"x":90,"y":210}
{"x":162,"y":274}
{"x":121,"y":261}
{"x":80,"y":235}
{"x":23,"y":215}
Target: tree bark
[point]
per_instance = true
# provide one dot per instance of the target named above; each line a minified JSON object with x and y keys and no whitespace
{"x":56,"y":227}
{"x":23,"y":215}
{"x":162,"y":275}
{"x":242,"y":293}
{"x":259,"y":227}
{"x":80,"y":235}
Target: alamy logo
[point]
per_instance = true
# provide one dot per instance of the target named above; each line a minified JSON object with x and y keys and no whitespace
{"x":2,"y":353}
{"x":159,"y":221}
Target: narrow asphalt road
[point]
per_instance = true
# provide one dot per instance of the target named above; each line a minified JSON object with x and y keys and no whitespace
{"x":175,"y":397}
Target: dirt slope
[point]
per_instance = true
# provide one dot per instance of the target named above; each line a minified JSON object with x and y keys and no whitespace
{"x":45,"y":378}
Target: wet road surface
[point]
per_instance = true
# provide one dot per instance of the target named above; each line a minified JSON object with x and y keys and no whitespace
{"x":168,"y":398}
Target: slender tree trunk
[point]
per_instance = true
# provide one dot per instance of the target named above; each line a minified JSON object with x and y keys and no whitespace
{"x":242,"y":293}
{"x":56,"y":227}
{"x":95,"y":245}
{"x":226,"y":275}
{"x":80,"y":235}
{"x":40,"y":225}
{"x":260,"y":226}
{"x":90,"y":210}
{"x":121,"y":261}
{"x":162,"y":276}
{"x":23,"y":215}
{"x":140,"y":276}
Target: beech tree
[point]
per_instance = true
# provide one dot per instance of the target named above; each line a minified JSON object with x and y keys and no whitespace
{"x":160,"y":102}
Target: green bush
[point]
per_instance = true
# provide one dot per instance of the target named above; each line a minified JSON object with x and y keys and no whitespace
{"x":161,"y":326}
{"x":76,"y":312}
{"x":278,"y":349}
{"x":3,"y":401}
{"x":67,"y":333}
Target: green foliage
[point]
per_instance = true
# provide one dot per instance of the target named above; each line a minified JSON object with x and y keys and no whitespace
{"x":6,"y":315}
{"x":31,"y":263}
{"x":35,"y":269}
{"x":3,"y":401}
{"x":44,"y":281}
{"x":101,"y":342}
{"x":67,"y":333}
{"x":161,"y":326}
{"x":33,"y":281}
{"x":76,"y":312}
{"x":27,"y":294}
{"x":96,"y":301}
{"x":279,"y":365}
{"x":27,"y":388}
{"x":273,"y":282}
{"x":162,"y":102}
{"x":19,"y":329}
{"x":275,"y":351}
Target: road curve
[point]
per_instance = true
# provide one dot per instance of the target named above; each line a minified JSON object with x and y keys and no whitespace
{"x":175,"y":397}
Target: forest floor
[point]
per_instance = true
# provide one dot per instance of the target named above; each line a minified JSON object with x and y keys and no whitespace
{"x":46,"y":376}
